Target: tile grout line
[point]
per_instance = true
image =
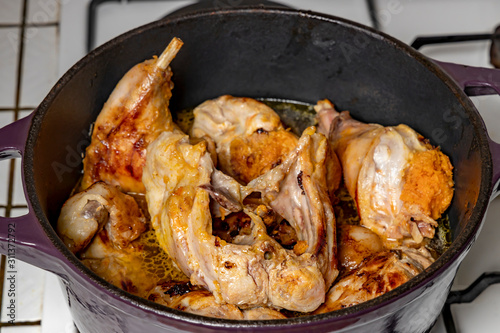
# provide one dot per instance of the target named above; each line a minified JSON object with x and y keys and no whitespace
{"x":14,"y":206}
{"x":28,"y":108}
{"x":20,"y":60}
{"x":19,"y":71}
{"x":24,"y":323}
{"x":29,"y":25}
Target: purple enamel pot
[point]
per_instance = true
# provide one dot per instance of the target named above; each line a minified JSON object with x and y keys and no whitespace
{"x":262,"y":53}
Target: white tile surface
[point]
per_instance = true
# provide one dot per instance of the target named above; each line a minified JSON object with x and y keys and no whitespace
{"x":43,"y":11}
{"x":11,"y":11}
{"x":15,"y":212}
{"x":483,"y":312}
{"x":21,"y":329}
{"x":72,"y":37}
{"x":6,"y":117}
{"x":23,"y":287}
{"x":444,"y":16}
{"x":18,"y":197}
{"x":9,"y":45}
{"x":114,"y":19}
{"x":39,"y":64}
{"x":489,"y":108}
{"x":55,"y":321}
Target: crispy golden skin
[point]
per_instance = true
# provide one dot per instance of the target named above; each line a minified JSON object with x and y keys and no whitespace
{"x":134,"y":115}
{"x":380,"y":273}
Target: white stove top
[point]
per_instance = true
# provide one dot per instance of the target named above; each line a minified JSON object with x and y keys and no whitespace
{"x":403,"y":19}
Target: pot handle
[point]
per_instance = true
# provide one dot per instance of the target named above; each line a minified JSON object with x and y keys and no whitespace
{"x":23,"y":238}
{"x":477,"y":81}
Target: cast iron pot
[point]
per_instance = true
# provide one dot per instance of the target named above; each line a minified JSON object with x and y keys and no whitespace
{"x":263,"y":53}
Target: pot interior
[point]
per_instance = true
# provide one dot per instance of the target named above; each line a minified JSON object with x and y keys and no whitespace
{"x":264,"y":53}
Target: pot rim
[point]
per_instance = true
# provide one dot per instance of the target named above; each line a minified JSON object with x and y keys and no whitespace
{"x":457,"y":250}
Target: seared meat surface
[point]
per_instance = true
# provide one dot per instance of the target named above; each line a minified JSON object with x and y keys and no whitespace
{"x":101,"y":205}
{"x":356,"y":244}
{"x":186,"y":297}
{"x":134,"y":115}
{"x":380,"y":273}
{"x":108,"y":231}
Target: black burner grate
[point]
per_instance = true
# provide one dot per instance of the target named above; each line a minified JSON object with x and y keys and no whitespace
{"x":467,"y":296}
{"x":493,"y":37}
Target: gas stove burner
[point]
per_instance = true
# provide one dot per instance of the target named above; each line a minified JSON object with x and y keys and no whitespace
{"x":494,"y":37}
{"x":467,"y":296}
{"x":495,"y":48}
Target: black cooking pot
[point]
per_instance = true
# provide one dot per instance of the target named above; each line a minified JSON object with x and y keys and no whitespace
{"x":261,"y":53}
